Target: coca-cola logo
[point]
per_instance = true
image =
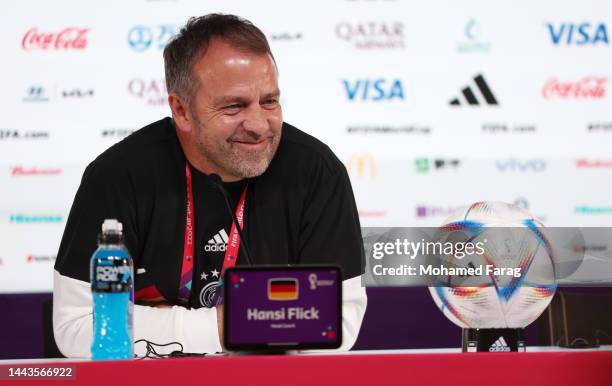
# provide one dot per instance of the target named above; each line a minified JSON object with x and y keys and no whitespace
{"x":70,"y":38}
{"x":152,"y":91}
{"x":372,"y":35}
{"x":21,"y":218}
{"x":21,"y":171}
{"x":589,"y":87}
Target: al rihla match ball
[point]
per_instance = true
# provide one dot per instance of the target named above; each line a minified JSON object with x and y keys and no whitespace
{"x":514,"y":279}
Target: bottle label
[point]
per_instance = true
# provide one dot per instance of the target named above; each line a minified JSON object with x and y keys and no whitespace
{"x":112,"y":275}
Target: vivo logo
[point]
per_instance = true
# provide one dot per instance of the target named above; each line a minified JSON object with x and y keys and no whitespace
{"x":513,"y":165}
{"x":373,"y":89}
{"x":578,"y":33}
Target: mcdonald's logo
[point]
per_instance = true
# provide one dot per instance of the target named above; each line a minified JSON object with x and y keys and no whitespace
{"x":361,"y":165}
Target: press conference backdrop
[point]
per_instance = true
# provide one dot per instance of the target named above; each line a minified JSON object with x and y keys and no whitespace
{"x":431,"y":105}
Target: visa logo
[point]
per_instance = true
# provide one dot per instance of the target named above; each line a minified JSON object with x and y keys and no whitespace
{"x":373,"y":89}
{"x":513,"y":165}
{"x":578,"y":33}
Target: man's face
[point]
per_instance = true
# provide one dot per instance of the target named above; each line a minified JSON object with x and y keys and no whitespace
{"x":236,"y":113}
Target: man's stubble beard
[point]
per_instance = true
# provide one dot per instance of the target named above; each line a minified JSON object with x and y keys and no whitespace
{"x":226,"y":157}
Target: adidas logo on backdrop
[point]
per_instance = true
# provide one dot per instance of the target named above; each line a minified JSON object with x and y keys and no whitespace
{"x":476,"y":96}
{"x":218,"y":243}
{"x":499,"y":345}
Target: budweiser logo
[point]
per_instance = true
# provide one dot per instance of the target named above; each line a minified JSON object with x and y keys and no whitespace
{"x":589,"y":87}
{"x":17,"y":171}
{"x":71,"y":38}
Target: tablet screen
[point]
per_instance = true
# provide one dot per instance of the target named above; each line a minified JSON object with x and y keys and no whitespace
{"x":282,"y":308}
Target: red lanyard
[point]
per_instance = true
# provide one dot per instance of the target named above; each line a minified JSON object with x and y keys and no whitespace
{"x":233,"y":244}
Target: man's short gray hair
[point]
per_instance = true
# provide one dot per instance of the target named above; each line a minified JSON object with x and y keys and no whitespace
{"x":192,"y":41}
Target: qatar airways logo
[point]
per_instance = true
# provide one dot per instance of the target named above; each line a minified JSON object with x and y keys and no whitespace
{"x":70,"y":38}
{"x":372,"y":34}
{"x":151,"y":91}
{"x":21,"y":171}
{"x":589,"y":87}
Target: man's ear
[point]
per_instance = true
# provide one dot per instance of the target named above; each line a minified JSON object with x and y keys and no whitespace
{"x":181,"y":113}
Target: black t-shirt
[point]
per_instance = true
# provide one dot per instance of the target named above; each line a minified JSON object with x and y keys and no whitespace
{"x":300,"y":211}
{"x":212,"y":229}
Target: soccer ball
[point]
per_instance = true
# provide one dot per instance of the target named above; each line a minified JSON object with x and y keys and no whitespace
{"x":513,"y":278}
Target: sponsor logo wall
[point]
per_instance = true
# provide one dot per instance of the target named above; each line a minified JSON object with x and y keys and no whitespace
{"x":429,"y":111}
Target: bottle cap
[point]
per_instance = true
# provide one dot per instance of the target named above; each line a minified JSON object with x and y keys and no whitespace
{"x":111,"y":225}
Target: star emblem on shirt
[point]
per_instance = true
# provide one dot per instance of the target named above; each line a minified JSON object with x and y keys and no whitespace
{"x":204,"y":276}
{"x":215,"y":273}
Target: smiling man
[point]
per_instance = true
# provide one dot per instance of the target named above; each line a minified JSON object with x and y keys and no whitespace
{"x":294,"y":194}
{"x":231,"y":124}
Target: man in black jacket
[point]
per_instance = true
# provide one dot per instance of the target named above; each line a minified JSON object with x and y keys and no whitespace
{"x":290,"y":193}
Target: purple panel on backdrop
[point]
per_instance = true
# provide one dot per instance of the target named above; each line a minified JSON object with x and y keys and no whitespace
{"x":407,"y":317}
{"x":399,"y":318}
{"x":21,"y":325}
{"x":396,"y":318}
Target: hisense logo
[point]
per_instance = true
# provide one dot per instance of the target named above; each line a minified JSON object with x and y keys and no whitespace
{"x":588,"y":209}
{"x":21,"y":218}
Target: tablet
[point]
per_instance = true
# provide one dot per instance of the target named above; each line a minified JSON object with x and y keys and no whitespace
{"x":280,"y":308}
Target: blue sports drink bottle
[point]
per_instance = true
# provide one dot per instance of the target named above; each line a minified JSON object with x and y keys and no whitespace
{"x":112,"y":290}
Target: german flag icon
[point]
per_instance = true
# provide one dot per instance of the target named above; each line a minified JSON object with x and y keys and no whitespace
{"x":283,"y":289}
